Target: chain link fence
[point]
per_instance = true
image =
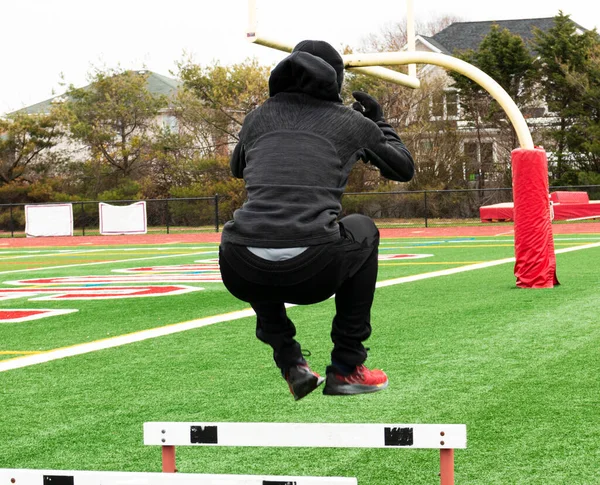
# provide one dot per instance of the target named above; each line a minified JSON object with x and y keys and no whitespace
{"x":424,"y":208}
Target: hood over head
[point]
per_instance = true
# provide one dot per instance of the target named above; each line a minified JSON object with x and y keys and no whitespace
{"x":326,"y":52}
{"x":314,"y":67}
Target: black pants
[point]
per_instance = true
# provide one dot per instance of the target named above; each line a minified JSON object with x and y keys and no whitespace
{"x":346,"y":268}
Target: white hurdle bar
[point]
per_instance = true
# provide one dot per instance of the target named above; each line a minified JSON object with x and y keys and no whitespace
{"x":445,"y":437}
{"x":75,"y":477}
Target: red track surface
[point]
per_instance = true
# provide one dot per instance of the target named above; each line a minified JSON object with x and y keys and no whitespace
{"x":453,"y":231}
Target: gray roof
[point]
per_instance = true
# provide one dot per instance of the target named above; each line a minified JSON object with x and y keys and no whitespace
{"x":461,"y":36}
{"x":157,"y":84}
{"x":435,"y":43}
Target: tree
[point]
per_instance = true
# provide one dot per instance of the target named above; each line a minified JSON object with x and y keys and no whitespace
{"x":583,"y":139}
{"x":116,"y":118}
{"x":23,"y":139}
{"x":563,"y":51}
{"x":434,"y":143}
{"x":226,"y":94}
{"x":205,"y":130}
{"x":393,"y":36}
{"x":506,"y":59}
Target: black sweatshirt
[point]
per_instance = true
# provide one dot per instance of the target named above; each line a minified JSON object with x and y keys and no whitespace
{"x":295,"y":154}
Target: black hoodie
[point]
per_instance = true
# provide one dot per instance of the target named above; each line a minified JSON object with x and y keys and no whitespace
{"x":295,"y":154}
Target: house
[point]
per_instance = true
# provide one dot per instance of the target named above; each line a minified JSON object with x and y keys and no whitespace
{"x":157,"y":84}
{"x":460,"y":37}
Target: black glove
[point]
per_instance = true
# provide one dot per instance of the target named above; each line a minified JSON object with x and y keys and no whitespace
{"x":367,"y":105}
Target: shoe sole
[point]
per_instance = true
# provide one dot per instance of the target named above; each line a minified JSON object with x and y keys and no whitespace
{"x":304,"y":388}
{"x":351,"y":389}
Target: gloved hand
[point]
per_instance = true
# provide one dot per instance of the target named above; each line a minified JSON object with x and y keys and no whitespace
{"x":367,"y":105}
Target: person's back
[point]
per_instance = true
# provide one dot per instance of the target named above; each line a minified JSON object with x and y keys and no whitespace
{"x":298,"y":150}
{"x":286,"y":243}
{"x":294,"y":174}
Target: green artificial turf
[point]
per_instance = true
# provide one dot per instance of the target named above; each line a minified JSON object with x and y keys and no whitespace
{"x":518,"y":367}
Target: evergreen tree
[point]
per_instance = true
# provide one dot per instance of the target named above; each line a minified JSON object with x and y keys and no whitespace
{"x":506,"y":59}
{"x":583,"y":139}
{"x":564,"y":52}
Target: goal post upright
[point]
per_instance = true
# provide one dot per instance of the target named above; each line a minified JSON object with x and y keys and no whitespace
{"x":373,"y":65}
{"x":252,"y":35}
{"x":410,"y":35}
{"x":535,"y":260}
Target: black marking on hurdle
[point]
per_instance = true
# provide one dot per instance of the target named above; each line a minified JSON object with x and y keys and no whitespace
{"x":398,"y":437}
{"x":58,"y":480}
{"x":204,"y":434}
{"x":270,"y":482}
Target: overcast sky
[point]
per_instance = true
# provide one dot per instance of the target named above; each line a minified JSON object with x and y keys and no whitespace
{"x":42,"y":39}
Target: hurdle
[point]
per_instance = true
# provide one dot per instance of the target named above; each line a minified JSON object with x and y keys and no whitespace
{"x":445,"y":437}
{"x":72,"y":477}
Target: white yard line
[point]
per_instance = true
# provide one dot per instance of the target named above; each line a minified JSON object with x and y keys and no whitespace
{"x":61,"y":353}
{"x":470,"y":267}
{"x":25,"y":253}
{"x":105,"y":262}
{"x":577,"y":248}
{"x":129,"y":338}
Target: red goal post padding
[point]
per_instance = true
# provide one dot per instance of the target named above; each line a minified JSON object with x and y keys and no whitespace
{"x":535,"y":265}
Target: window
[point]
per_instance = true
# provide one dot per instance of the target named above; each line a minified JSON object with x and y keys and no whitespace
{"x":479,"y":159}
{"x":169,"y":122}
{"x":437,"y":105}
{"x":486,"y":154}
{"x":452,"y":105}
{"x":445,"y":105}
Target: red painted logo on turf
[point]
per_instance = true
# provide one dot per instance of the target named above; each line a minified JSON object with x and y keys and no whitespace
{"x":12,"y":316}
{"x":96,"y":292}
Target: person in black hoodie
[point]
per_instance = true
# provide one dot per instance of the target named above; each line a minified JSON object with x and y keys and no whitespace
{"x":286,"y":243}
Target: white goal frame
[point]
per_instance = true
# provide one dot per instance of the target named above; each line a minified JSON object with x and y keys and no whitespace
{"x":373,"y":65}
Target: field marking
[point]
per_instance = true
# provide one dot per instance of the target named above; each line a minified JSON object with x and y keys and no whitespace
{"x":454,"y":245}
{"x":11,"y":315}
{"x":104,"y":262}
{"x":429,"y":263}
{"x":462,"y":246}
{"x":577,"y":248}
{"x":390,"y":242}
{"x":449,"y":246}
{"x":471,"y":267}
{"x":19,"y":254}
{"x":117,"y":341}
{"x":78,"y":349}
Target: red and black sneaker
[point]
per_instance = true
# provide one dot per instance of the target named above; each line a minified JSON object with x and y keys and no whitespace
{"x":360,"y":381}
{"x":302,"y":380}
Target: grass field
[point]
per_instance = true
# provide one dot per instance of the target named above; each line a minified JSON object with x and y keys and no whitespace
{"x":519,"y":367}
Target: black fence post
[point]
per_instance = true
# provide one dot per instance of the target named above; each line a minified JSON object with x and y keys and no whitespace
{"x":425,"y":203}
{"x":83,"y":219}
{"x":167,"y":214}
{"x":12,"y":226}
{"x":216,"y":212}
